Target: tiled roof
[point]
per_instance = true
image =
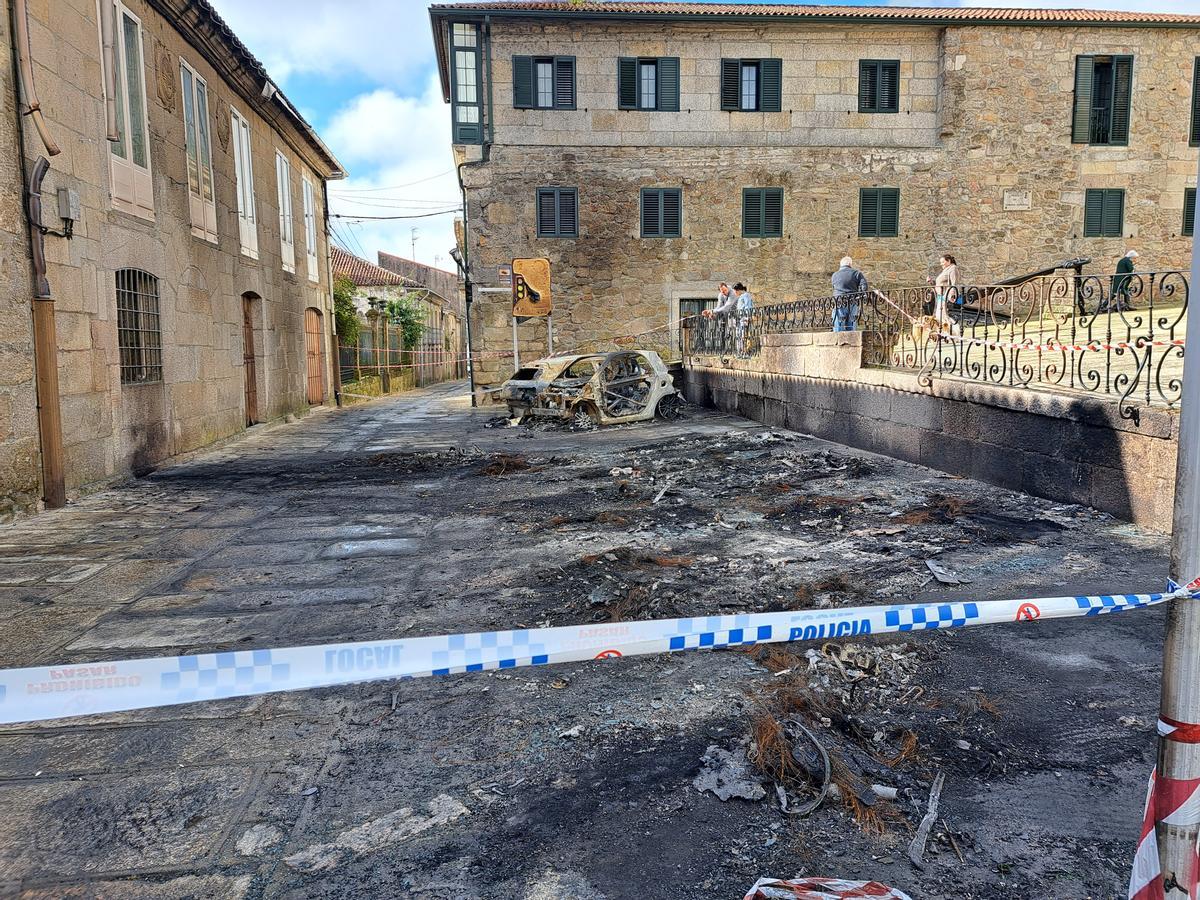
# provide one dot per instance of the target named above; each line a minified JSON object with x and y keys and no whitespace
{"x":955,"y":15}
{"x":361,"y":272}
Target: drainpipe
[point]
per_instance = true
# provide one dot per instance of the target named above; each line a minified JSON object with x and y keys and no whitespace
{"x":465,"y":265}
{"x":25,"y":76}
{"x":45,"y":340}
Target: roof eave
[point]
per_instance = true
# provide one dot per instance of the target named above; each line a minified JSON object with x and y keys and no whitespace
{"x":467,"y":12}
{"x":198,"y":23}
{"x":436,"y":22}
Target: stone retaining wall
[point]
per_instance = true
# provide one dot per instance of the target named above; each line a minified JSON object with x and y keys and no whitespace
{"x":1070,"y":448}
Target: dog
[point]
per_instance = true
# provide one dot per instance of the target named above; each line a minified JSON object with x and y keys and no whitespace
{"x":926,"y":327}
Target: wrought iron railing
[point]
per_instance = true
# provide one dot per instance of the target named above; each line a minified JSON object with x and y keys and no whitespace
{"x":1116,"y":336}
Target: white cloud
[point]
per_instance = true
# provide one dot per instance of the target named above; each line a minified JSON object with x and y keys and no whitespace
{"x":382,"y":40}
{"x":402,"y":144}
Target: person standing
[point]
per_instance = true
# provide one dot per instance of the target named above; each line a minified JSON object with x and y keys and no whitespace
{"x":945,"y":289}
{"x":738,"y":306}
{"x":1119,"y":294}
{"x":849,"y":290}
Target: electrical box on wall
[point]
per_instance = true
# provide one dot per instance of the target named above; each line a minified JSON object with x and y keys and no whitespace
{"x":68,"y":204}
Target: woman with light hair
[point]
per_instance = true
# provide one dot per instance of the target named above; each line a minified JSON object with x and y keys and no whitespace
{"x":945,"y":288}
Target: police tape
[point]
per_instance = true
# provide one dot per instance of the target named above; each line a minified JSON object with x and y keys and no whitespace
{"x":55,"y":692}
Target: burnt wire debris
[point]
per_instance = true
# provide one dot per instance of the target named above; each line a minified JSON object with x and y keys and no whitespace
{"x":768,"y":521}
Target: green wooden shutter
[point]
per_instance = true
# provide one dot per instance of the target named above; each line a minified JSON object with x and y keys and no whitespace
{"x":868,"y":212}
{"x":772,"y":212}
{"x":752,"y":212}
{"x":1081,"y":123}
{"x":668,"y":84}
{"x":867,"y":86}
{"x":889,"y":86}
{"x":1122,"y":89}
{"x":1195,"y":136}
{"x":522,"y":75}
{"x":1093,"y":213}
{"x":651,"y":213}
{"x":731,"y":75}
{"x":564,"y":82}
{"x":672,"y":213}
{"x":1114,"y":213}
{"x":627,"y":83}
{"x":547,"y":212}
{"x":568,"y":218}
{"x":1189,"y":212}
{"x":770,"y":75}
{"x":889,"y":212}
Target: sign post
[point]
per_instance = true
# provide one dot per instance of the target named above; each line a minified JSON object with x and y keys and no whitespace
{"x":531,"y":298}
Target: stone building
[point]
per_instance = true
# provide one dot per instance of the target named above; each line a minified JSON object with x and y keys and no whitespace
{"x":185,"y":258}
{"x":651,"y":150}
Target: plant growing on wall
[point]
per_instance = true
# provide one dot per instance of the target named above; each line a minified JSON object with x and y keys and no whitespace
{"x":407,"y":314}
{"x":344,"y":312}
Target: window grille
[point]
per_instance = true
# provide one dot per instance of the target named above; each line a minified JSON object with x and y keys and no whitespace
{"x":139,"y":332}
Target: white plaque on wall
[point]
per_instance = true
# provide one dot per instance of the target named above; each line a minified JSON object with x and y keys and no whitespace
{"x":1018,"y":200}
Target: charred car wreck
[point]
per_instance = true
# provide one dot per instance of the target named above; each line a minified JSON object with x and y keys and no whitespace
{"x":593,"y":388}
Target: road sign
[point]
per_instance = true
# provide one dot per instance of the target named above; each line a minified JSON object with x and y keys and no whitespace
{"x":531,"y":287}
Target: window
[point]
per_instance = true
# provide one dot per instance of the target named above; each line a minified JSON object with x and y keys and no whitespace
{"x":1103,"y":85}
{"x":878,"y":212}
{"x":1195,"y":135}
{"x":247,"y":220}
{"x":557,"y":212}
{"x":129,"y":155}
{"x":544,"y":82}
{"x":287,"y":239}
{"x":139,"y":336}
{"x":464,"y":46}
{"x":752,"y":85}
{"x":199,"y":153}
{"x":662,"y":212}
{"x":310,"y":229}
{"x":1189,"y":212}
{"x":1104,"y":213}
{"x":879,"y":85}
{"x":651,"y":84}
{"x":762,"y":212}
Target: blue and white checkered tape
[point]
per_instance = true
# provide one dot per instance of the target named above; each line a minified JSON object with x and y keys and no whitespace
{"x":48,"y":692}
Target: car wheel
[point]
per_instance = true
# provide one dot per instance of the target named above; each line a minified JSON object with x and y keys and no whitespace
{"x":670,"y":407}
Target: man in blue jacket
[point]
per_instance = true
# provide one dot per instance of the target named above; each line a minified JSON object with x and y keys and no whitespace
{"x":849,"y":290}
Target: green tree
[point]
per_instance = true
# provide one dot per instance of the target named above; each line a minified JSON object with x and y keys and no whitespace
{"x":344,"y":312}
{"x":407,"y":314}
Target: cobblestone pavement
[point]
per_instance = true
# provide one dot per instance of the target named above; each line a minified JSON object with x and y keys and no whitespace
{"x":571,"y":781}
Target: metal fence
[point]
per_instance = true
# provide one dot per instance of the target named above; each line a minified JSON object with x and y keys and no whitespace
{"x":1116,"y":336}
{"x":368,"y":367}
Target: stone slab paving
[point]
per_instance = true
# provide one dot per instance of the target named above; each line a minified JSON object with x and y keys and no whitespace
{"x":358,"y":524}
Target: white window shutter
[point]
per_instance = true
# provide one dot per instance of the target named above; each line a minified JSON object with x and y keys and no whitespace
{"x":287,"y":241}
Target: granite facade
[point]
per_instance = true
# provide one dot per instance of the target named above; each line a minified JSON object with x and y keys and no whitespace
{"x":113,"y":429}
{"x":984,"y":110}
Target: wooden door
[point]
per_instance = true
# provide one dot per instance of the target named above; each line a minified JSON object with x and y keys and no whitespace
{"x":314,"y":345}
{"x":249,"y":369}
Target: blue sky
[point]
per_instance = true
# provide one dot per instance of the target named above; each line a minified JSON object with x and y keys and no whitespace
{"x":363,"y":73}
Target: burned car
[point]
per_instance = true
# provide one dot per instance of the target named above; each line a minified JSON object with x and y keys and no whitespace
{"x":595,"y":388}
